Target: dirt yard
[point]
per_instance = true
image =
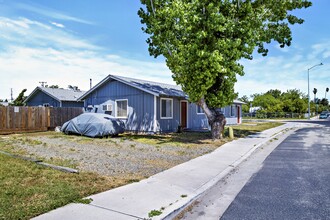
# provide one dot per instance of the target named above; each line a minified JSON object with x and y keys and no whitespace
{"x":137,"y":156}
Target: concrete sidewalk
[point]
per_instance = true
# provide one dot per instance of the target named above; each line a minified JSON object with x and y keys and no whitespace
{"x":171,"y":190}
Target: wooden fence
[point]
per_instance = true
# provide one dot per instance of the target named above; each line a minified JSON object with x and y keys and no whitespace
{"x":28,"y":119}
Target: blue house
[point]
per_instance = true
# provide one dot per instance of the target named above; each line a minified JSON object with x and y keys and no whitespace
{"x":51,"y":97}
{"x":150,"y":106}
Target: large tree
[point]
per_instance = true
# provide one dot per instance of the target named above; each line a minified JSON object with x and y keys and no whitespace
{"x":204,"y":40}
{"x":294,"y":101}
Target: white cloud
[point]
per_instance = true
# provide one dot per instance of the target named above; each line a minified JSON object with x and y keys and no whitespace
{"x":25,"y":67}
{"x":31,"y":51}
{"x":57,"y":24}
{"x":286,"y":71}
{"x":36,"y":34}
{"x":50,"y":13}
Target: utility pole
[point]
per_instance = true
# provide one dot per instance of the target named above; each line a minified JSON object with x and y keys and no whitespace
{"x":11,"y":95}
{"x":309,"y":99}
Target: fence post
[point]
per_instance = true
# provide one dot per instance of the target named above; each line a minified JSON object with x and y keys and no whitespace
{"x":48,"y":117}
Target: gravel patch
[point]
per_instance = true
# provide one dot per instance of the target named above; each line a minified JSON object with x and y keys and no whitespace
{"x":112,"y":157}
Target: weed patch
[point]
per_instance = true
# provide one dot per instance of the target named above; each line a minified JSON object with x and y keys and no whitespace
{"x":153,"y":213}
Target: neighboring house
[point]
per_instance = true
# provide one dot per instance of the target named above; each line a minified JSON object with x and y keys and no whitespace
{"x":50,"y":97}
{"x":149,"y":106}
{"x":254,"y":109}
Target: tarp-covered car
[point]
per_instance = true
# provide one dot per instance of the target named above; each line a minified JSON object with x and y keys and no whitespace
{"x":94,"y":125}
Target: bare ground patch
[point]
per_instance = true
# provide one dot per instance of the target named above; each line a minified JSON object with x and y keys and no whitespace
{"x":134,"y":155}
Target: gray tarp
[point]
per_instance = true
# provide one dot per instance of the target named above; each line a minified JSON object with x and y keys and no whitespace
{"x":94,"y":125}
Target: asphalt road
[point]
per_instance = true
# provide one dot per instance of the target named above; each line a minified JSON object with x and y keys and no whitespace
{"x":293,"y":183}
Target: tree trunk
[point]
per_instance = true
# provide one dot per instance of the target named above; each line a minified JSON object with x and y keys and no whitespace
{"x":216,"y":119}
{"x":217,"y":125}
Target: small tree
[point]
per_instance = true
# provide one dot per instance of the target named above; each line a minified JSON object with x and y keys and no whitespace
{"x":246,"y":106}
{"x":19,"y":101}
{"x":204,"y":40}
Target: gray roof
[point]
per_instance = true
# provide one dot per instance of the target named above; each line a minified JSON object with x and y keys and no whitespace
{"x":58,"y":94}
{"x":238,"y":102}
{"x":154,"y":88}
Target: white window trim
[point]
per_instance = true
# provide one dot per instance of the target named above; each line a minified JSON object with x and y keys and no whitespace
{"x":160,"y":105}
{"x":117,"y":107}
{"x":199,"y":113}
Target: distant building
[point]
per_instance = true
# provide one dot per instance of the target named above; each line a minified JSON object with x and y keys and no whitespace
{"x":50,"y":97}
{"x":4,"y":103}
{"x":254,"y":109}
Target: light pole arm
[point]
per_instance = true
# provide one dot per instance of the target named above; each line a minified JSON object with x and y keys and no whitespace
{"x":309,"y":99}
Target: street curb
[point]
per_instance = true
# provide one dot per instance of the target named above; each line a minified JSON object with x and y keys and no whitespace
{"x":189,"y":200}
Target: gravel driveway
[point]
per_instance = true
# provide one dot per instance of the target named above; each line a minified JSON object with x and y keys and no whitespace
{"x":114,"y":156}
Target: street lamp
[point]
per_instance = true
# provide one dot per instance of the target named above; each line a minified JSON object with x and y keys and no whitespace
{"x":309,"y":99}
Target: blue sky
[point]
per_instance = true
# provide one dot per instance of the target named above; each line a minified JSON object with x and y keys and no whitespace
{"x":68,"y":42}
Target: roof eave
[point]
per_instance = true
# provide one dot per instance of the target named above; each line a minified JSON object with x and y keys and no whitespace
{"x":31,"y":94}
{"x":130,"y":84}
{"x":54,"y":97}
{"x":117,"y":79}
{"x":40,"y":89}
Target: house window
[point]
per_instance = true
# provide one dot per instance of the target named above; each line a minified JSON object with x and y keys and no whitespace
{"x":45,"y":105}
{"x":166,"y":108}
{"x":121,"y":108}
{"x":199,"y":110}
{"x":232,"y":110}
{"x":107,"y":108}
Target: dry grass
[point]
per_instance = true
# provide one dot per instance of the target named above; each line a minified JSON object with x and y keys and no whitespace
{"x":28,"y":190}
{"x":193,"y":139}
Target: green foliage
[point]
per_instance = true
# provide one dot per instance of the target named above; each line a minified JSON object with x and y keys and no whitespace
{"x":153,"y":213}
{"x":324,"y":102}
{"x":245,"y":107}
{"x":267,"y":102}
{"x":28,"y":190}
{"x":83,"y":200}
{"x":275,"y":101}
{"x":276,"y":93}
{"x":321,"y":105}
{"x":19,"y":101}
{"x":204,"y":40}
